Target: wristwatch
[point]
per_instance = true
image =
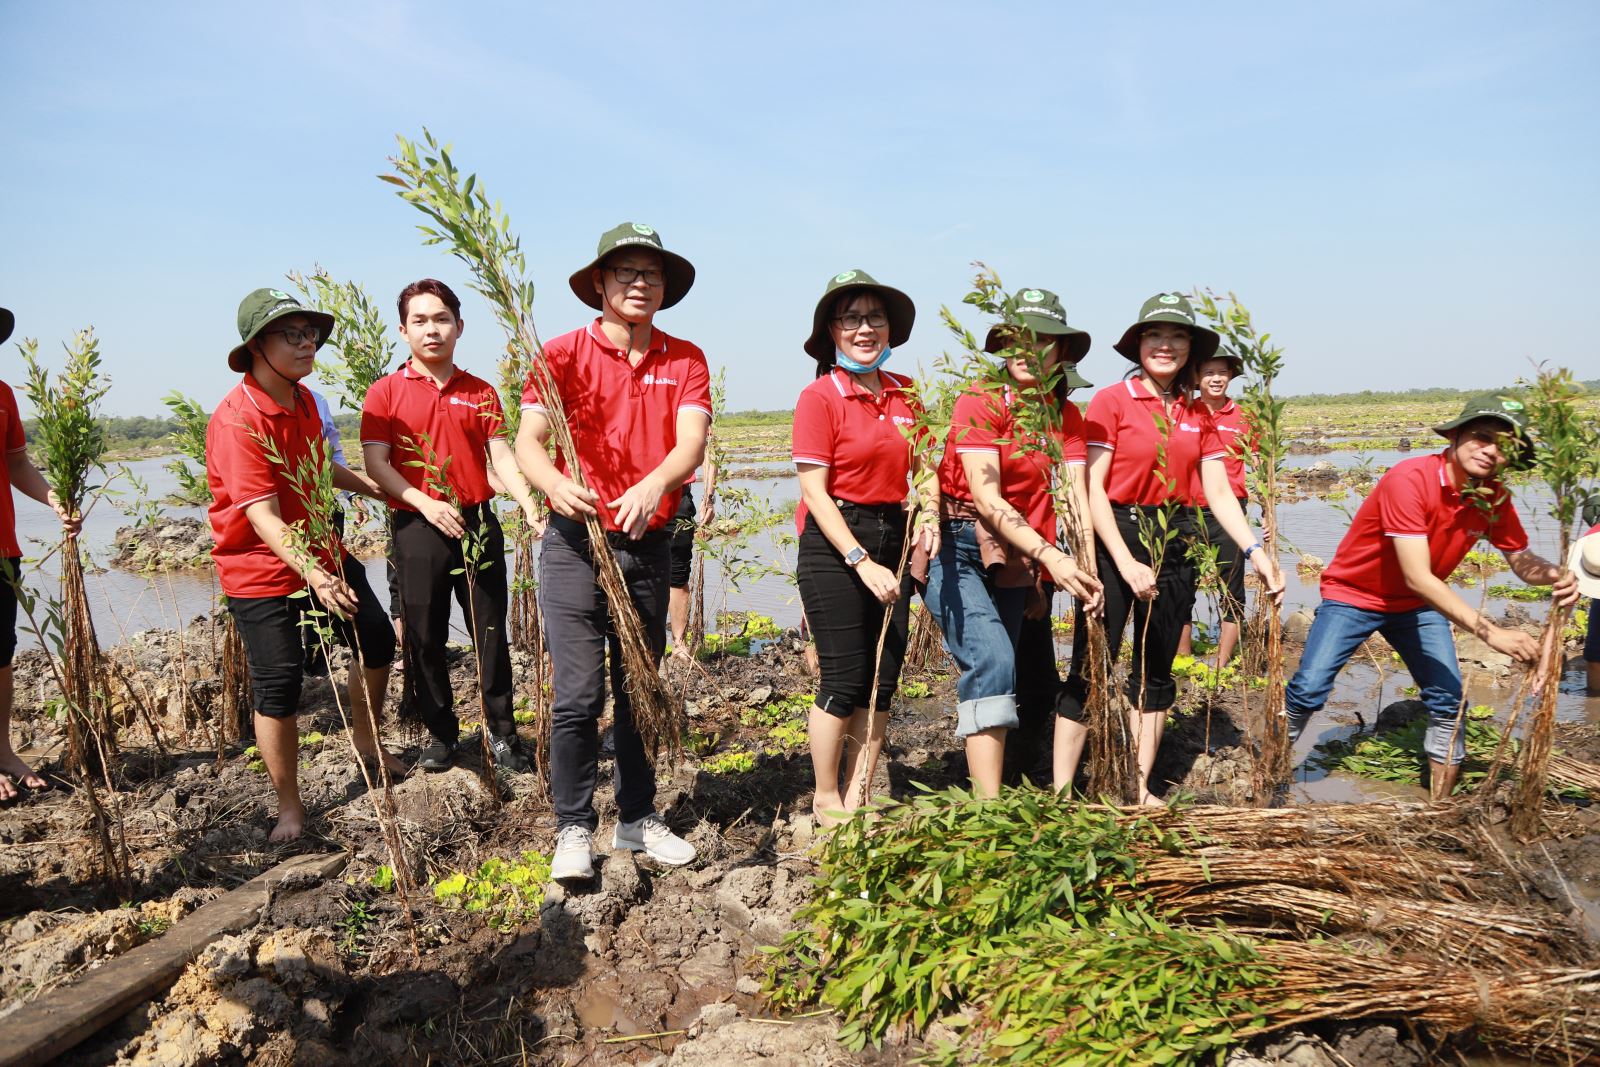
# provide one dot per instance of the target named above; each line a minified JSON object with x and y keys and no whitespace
{"x":854,"y":557}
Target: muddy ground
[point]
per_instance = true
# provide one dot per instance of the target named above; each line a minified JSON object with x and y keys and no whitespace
{"x":331,"y":974}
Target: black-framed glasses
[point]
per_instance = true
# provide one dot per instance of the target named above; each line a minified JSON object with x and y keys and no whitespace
{"x":851,"y":321}
{"x":651,"y":276}
{"x":298,"y":335}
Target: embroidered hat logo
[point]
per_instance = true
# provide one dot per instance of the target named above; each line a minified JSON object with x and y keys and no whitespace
{"x":1169,"y":298}
{"x":279,"y":294}
{"x":1032,"y":296}
{"x":643,"y":230}
{"x":846,"y":276}
{"x":1510,"y":405}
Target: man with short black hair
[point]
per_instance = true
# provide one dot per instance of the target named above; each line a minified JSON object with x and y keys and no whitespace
{"x":429,"y":432}
{"x":1390,"y":574}
{"x":639,"y":404}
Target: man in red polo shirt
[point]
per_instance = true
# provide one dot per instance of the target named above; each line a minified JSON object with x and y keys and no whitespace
{"x":639,"y":405}
{"x":20,"y":473}
{"x":263,"y":437}
{"x":1390,"y":574}
{"x":428,"y":432}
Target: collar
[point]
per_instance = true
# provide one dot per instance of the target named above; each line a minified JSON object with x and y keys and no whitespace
{"x":849,"y":387}
{"x":408,"y":371}
{"x":1225,"y":409}
{"x":262,"y":400}
{"x":658,"y":340}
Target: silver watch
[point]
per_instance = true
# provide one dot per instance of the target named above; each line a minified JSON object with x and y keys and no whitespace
{"x":854,"y":557}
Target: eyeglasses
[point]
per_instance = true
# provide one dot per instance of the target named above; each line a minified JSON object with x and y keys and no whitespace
{"x":651,"y":276}
{"x":1503,"y":441}
{"x":1172,"y":337}
{"x":300,"y":336}
{"x":851,"y":321}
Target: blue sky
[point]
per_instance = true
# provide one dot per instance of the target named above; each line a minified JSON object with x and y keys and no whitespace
{"x":1403,"y":193}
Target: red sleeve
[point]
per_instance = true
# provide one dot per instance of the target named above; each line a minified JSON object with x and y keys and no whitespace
{"x":1103,"y":420}
{"x":974,"y":425}
{"x":1402,"y":503}
{"x":813,"y":439}
{"x":241,"y":463}
{"x":555,"y":357}
{"x":696,"y":394}
{"x":1073,"y":446}
{"x":1211,"y":446}
{"x":377,"y":421}
{"x":1506,"y":532}
{"x":16,"y":438}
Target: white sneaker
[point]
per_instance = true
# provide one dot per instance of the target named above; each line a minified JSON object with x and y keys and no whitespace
{"x":651,"y":836}
{"x":574,"y":857}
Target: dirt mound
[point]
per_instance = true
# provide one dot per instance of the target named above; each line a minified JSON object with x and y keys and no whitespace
{"x":168,"y":544}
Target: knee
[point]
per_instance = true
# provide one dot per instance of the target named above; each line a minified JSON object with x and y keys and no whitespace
{"x":835,"y":704}
{"x":275,"y":689}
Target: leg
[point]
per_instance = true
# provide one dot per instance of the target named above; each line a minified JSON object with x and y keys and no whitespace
{"x":1428,"y":648}
{"x":1066,"y":751}
{"x":1186,"y":640}
{"x":1072,"y":727}
{"x":644,"y":569}
{"x":372,"y":645}
{"x":877,"y":692}
{"x":423,"y":560}
{"x":1147,"y":728}
{"x":1336,"y":632}
{"x":682,"y":552}
{"x":862,"y":745}
{"x":1227,"y":641}
{"x":1037,"y":684}
{"x":575,"y":617}
{"x":483,"y":588}
{"x":826,"y":733}
{"x":834,"y":605}
{"x":1233,"y":595}
{"x":678,"y":612}
{"x":1152,"y":689}
{"x":269,"y":629}
{"x":1591,"y":647}
{"x":278,"y":740}
{"x":12,"y":768}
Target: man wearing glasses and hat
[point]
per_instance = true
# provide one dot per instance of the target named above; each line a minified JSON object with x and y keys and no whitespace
{"x":1390,"y":573}
{"x":639,"y":404}
{"x":20,"y":473}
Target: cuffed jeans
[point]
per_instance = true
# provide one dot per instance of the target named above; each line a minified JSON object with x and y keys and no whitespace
{"x":1423,"y":639}
{"x":578,"y":621}
{"x":981,"y":623}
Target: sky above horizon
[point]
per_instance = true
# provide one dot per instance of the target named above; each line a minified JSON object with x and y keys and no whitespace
{"x":1402,"y":193}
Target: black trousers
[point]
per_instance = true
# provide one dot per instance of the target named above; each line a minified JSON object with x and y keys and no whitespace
{"x":1030,"y":746}
{"x":1150,"y":683}
{"x":430,"y":568}
{"x":1230,"y":564}
{"x":846,"y":618}
{"x":577,"y":619}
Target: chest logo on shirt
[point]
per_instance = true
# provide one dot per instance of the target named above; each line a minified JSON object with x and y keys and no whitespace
{"x":651,"y":379}
{"x":1186,"y":428}
{"x":464,"y":402}
{"x":903,"y":420}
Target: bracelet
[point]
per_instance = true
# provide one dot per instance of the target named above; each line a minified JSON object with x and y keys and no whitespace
{"x":1251,"y":549}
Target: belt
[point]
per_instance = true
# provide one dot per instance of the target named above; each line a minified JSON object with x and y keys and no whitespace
{"x":616,"y":538}
{"x":886,"y":511}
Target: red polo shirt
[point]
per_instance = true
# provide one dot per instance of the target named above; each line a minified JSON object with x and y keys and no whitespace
{"x":1415,"y":499}
{"x":983,"y":422}
{"x":15,"y":441}
{"x":624,"y":419}
{"x":408,"y":411}
{"x":1233,"y":430}
{"x":240,"y":474}
{"x":1122,"y":419}
{"x":839,"y":424}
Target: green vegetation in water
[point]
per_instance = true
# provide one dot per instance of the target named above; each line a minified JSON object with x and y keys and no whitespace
{"x":753,"y":627}
{"x":1520,"y":592}
{"x":508,"y":893}
{"x":916,"y":690}
{"x":1397,"y":756}
{"x":1013,"y":907}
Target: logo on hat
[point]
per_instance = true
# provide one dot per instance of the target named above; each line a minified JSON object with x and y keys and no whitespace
{"x":643,"y":230}
{"x":279,"y":294}
{"x":1169,"y":298}
{"x":1510,"y":405}
{"x":846,"y":276}
{"x":1032,"y":296}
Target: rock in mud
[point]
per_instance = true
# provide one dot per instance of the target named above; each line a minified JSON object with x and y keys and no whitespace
{"x":1400,"y":713}
{"x":1474,"y":651}
{"x":805,"y":1044}
{"x":1298,"y":624}
{"x":171,"y":543}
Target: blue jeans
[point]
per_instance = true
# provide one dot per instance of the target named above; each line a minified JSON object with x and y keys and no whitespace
{"x":981,"y":623}
{"x":1423,"y":639}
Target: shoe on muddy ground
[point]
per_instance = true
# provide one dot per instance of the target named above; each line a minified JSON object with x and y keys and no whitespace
{"x":509,"y":754}
{"x":437,"y":756}
{"x":574,"y":856}
{"x":651,"y":836}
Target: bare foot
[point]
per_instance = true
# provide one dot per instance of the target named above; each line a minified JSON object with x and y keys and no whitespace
{"x":1150,"y":800}
{"x":13,"y":770}
{"x":394,"y":764}
{"x":680,"y":652}
{"x":291,"y":823}
{"x":828,"y":817}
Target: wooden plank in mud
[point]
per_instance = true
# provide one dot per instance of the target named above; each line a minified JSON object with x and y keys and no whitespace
{"x":47,"y":1027}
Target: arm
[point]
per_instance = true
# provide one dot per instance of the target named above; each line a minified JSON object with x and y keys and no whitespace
{"x":567,"y":498}
{"x":441,"y":513}
{"x":267,"y":521}
{"x":1140,"y":578}
{"x":27,"y":479}
{"x":1536,"y":570}
{"x":1230,"y":516}
{"x":638,"y":504}
{"x":983,"y":476}
{"x":351,"y":482}
{"x":882,"y":582}
{"x":1416,"y":564}
{"x":505,"y":465}
{"x":926,"y":480}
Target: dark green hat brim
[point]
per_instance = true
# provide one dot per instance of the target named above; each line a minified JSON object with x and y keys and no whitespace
{"x":679,"y":272}
{"x":1480,"y":408}
{"x":1076,"y":344}
{"x":8,"y":322}
{"x":901,"y":311}
{"x":239,"y":359}
{"x":1203,"y":346}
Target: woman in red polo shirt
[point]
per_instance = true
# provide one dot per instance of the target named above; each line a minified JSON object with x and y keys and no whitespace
{"x":1233,"y":430}
{"x":998,"y":522}
{"x":1147,"y":436}
{"x":854,"y":459}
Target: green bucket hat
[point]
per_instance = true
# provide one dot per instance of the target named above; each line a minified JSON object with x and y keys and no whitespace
{"x":679,"y":271}
{"x":1507,"y":409}
{"x":1171,"y":308}
{"x":8,"y":322}
{"x":1040,"y":311}
{"x":901,"y":311}
{"x":261,"y":309}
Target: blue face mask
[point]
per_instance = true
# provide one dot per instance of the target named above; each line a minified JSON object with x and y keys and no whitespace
{"x":860,"y":368}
